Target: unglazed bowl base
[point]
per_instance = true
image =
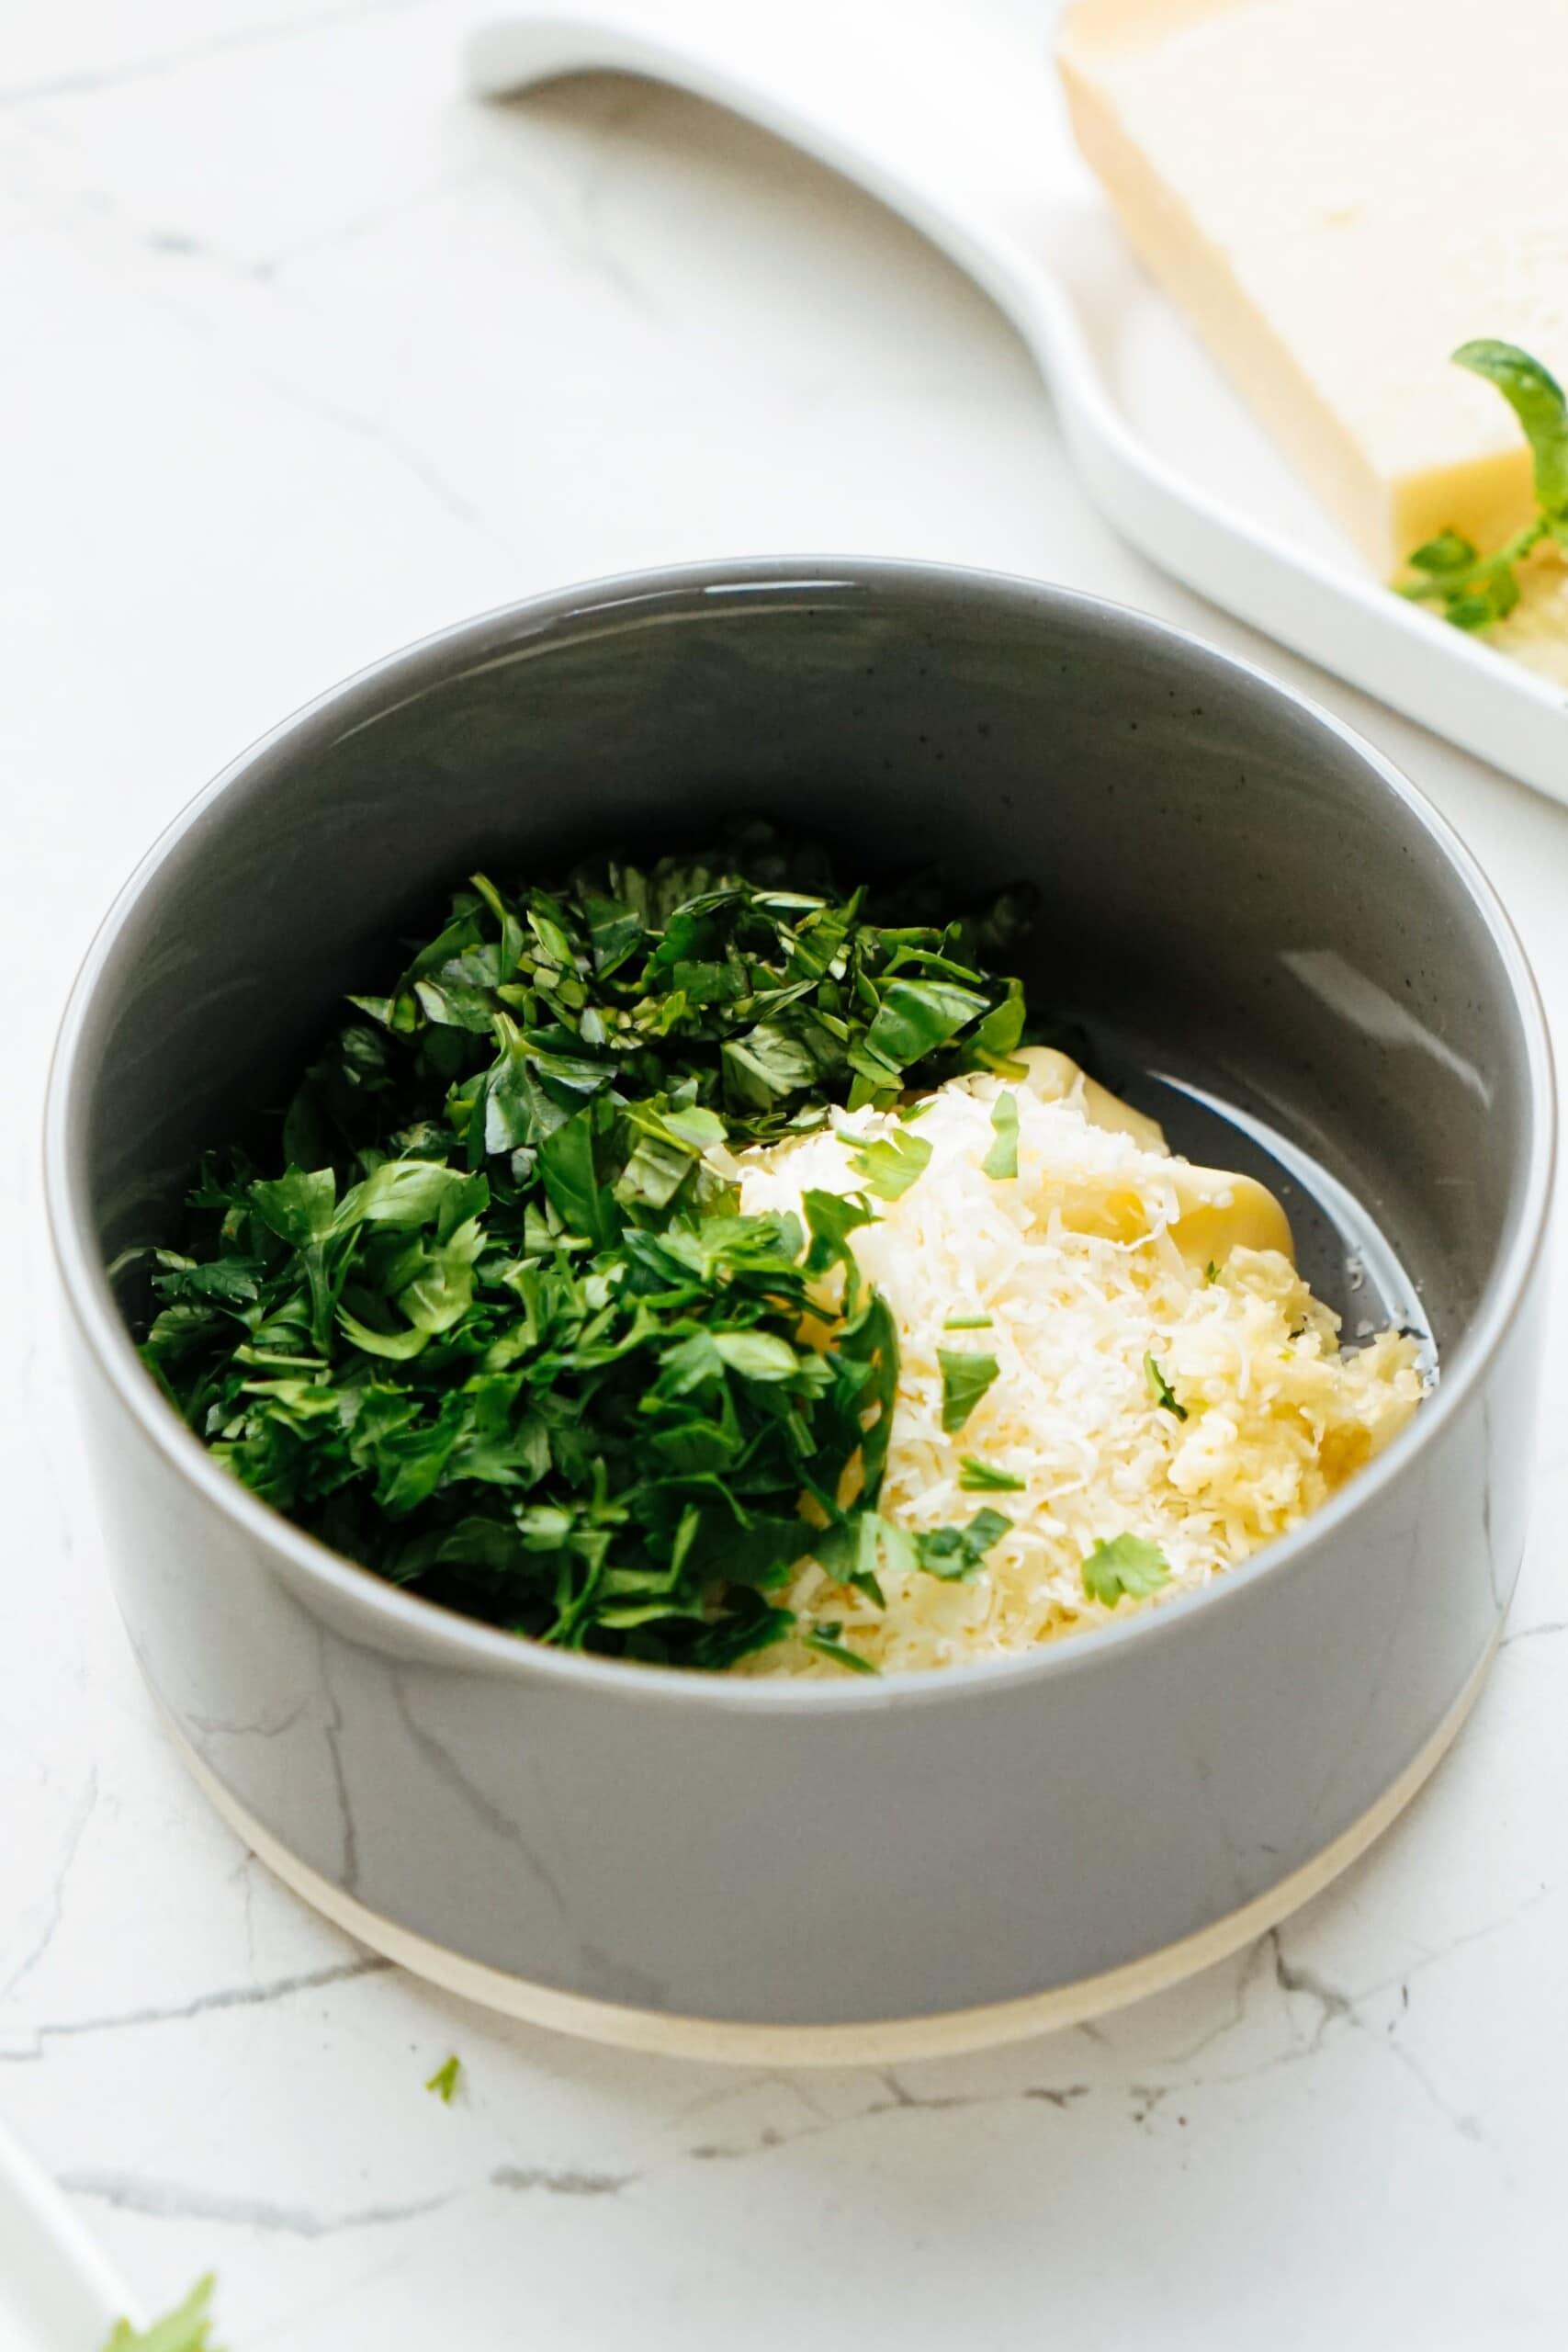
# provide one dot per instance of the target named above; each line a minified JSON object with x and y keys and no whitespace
{"x":884,"y":2042}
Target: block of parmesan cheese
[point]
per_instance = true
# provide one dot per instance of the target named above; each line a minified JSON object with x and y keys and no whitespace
{"x":1339,"y":193}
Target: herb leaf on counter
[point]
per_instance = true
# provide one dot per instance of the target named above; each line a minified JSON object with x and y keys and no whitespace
{"x":444,"y":2080}
{"x":889,"y":1165}
{"x":976,"y":1478}
{"x":485,"y":1317}
{"x":957,"y":1554}
{"x":824,"y":1639}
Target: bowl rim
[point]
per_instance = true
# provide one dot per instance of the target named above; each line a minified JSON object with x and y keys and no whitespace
{"x":612,"y":602}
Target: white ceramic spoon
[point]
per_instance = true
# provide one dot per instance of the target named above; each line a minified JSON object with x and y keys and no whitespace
{"x":950,"y":115}
{"x":57,"y":2292}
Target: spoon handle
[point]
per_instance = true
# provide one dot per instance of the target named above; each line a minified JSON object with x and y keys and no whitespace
{"x":950,"y":117}
{"x":917,"y":106}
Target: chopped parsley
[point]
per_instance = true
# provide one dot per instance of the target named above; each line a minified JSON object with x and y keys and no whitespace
{"x":967,"y":1374}
{"x":1124,"y":1568}
{"x":977,"y":1478}
{"x":188,"y":2329}
{"x":1470,"y":589}
{"x":952,"y":1553}
{"x":1002,"y":1157}
{"x":444,"y":2080}
{"x":890,"y":1164}
{"x":479,"y":1310}
{"x":1160,"y":1389}
{"x":824,"y":1639}
{"x":1211,"y":1272}
{"x":957,"y":1554}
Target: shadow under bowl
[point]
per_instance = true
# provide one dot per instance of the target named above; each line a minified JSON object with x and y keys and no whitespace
{"x":1260,"y":921}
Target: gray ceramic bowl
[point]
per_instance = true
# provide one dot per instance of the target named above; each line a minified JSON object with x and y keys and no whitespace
{"x":1248,"y":907}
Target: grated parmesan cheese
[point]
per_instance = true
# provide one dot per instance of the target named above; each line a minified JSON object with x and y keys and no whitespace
{"x":1094,"y":1257}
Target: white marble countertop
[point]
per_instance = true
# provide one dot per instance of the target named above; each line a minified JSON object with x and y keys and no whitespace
{"x":306,"y":355}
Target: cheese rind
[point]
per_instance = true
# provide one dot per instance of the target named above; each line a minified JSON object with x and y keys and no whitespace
{"x":1339,"y":193}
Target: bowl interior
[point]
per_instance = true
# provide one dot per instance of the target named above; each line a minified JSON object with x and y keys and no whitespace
{"x":1234,"y":897}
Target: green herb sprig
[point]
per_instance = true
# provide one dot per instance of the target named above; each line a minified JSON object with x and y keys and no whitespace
{"x":483,"y":1314}
{"x":1471,"y":590}
{"x":188,"y":2329}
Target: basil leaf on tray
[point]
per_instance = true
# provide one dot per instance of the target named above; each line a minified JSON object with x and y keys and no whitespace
{"x":1471,"y":589}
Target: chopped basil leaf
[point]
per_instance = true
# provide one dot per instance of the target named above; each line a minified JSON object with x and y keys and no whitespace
{"x":890,"y":1164}
{"x":855,"y":1548}
{"x":298,"y":1207}
{"x":572,"y":1183}
{"x":965,"y":1376}
{"x":917,"y":1016}
{"x":1003,"y":1026}
{"x":1002,"y":1157}
{"x":830,"y":1219}
{"x":977,"y":1478}
{"x":1537,"y":400}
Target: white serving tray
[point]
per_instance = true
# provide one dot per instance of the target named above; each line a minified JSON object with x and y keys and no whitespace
{"x":949,"y":114}
{"x":57,"y":2293}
